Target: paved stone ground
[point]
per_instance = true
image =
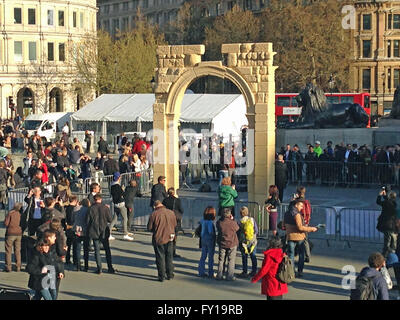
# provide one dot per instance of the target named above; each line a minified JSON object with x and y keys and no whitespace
{"x":137,"y":276}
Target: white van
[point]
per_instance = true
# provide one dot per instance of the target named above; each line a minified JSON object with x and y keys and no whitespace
{"x":46,"y":125}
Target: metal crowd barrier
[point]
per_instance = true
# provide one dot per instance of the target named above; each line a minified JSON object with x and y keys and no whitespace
{"x":359,"y":225}
{"x":143,"y":178}
{"x":319,"y":215}
{"x":340,"y":174}
{"x":346,"y":224}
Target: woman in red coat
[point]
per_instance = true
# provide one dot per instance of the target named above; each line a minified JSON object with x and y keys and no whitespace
{"x":271,"y":286}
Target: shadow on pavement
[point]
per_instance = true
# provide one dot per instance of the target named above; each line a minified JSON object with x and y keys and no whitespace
{"x":84,"y":296}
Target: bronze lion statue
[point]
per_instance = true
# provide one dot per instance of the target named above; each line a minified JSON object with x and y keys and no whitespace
{"x":316,"y":112}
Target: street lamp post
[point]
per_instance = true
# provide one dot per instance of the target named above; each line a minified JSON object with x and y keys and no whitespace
{"x":383,"y":77}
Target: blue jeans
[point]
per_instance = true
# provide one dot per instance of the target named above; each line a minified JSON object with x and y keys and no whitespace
{"x":301,"y":249}
{"x":253,"y":260}
{"x":207,"y":250}
{"x":47,"y":294}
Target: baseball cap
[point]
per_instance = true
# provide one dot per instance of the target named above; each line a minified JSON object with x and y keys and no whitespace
{"x":391,"y":259}
{"x":116,"y":176}
{"x":317,"y":142}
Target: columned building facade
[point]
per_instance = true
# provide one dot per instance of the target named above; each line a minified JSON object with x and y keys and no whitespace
{"x":35,"y":63}
{"x":375,"y":64}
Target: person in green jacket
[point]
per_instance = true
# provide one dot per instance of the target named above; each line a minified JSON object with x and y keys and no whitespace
{"x":226,"y":196}
{"x":318,"y":149}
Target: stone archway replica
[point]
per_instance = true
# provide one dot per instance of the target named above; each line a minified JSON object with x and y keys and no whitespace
{"x":250,"y":67}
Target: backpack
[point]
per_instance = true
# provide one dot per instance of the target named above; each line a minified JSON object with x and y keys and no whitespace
{"x":285,"y":271}
{"x":364,"y":289}
{"x":248,"y":229}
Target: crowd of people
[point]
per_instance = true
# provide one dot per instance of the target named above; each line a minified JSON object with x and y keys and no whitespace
{"x":342,"y":165}
{"x":60,"y":225}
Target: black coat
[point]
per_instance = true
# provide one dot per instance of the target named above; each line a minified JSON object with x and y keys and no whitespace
{"x":174,"y":204}
{"x":110,"y":167}
{"x":158,"y":192}
{"x":97,"y":221}
{"x":280,"y":173}
{"x":387,"y":219}
{"x":35,"y":265}
{"x":130,"y":194}
{"x":103,"y":146}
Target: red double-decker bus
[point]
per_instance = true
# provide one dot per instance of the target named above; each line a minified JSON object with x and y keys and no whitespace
{"x":287,"y":110}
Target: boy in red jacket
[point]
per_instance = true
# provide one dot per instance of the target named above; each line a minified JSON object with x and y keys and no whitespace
{"x":271,"y":286}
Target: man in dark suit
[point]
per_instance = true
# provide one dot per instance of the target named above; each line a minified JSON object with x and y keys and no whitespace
{"x":158,"y":191}
{"x":173,"y":203}
{"x":98,"y":218}
{"x":288,"y":157}
{"x":281,"y":171}
{"x":385,"y":161}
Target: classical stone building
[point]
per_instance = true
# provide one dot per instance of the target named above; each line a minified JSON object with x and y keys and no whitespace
{"x":376,"y":48}
{"x":375,"y":39}
{"x":119,"y":14}
{"x":35,"y":73}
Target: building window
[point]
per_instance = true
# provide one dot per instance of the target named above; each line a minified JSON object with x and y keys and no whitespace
{"x":396,"y":48}
{"x":166,"y":17}
{"x":31,"y":16}
{"x":396,"y":21}
{"x":125,"y":6}
{"x":81,"y":19}
{"x":115,"y":26}
{"x":125,"y":23}
{"x":248,"y":4}
{"x":396,"y":77}
{"x":389,"y":21}
{"x":205,"y":12}
{"x":367,"y":21}
{"x":106,"y":25}
{"x":389,"y":48}
{"x":366,"y":48}
{"x":17,"y":15}
{"x":61,"y":18}
{"x":145,"y":4}
{"x":18,"y":51}
{"x":262,"y":4}
{"x":116,"y":7}
{"x":74,"y":22}
{"x":389,"y":82}
{"x":231,"y":4}
{"x":50,"y":51}
{"x":32,"y":51}
{"x":366,"y":79}
{"x":135,"y":4}
{"x":218,"y":9}
{"x":61,"y":52}
{"x":107,"y":8}
{"x":50,"y":17}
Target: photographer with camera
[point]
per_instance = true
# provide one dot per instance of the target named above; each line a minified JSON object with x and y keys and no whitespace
{"x":387,"y":220}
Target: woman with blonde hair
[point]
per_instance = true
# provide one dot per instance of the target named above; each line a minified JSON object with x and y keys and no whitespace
{"x":207,"y":242}
{"x":226,"y":196}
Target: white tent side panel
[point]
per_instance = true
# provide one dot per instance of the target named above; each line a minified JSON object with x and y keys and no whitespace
{"x":232,"y":118}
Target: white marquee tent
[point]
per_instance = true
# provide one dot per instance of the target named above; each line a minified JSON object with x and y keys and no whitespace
{"x":111,"y":114}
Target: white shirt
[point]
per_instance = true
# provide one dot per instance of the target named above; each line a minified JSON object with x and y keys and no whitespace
{"x":65,"y":129}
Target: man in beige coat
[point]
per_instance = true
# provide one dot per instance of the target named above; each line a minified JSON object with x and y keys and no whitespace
{"x":296,"y":233}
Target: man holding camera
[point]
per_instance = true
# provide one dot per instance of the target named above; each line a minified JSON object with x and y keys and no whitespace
{"x":387,"y":220}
